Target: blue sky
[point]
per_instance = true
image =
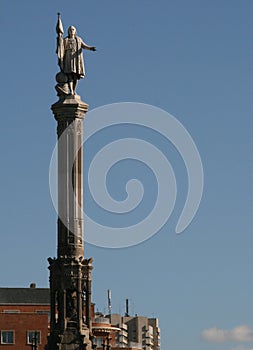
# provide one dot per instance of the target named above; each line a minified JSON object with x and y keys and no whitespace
{"x":190,"y":58}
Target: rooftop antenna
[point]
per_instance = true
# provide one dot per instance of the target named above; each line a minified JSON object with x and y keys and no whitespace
{"x":109,"y":295}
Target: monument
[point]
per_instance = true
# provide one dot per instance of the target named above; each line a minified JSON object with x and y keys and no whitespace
{"x":70,"y":272}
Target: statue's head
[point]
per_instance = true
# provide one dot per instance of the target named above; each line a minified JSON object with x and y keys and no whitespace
{"x":72,"y":31}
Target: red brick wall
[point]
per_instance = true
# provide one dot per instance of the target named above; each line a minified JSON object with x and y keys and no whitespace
{"x":26,"y":319}
{"x":25,"y":308}
{"x":20,"y":323}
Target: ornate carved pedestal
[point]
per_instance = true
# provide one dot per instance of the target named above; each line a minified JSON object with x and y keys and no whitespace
{"x":70,"y":273}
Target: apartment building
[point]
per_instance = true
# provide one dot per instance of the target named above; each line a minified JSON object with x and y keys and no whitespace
{"x":136,"y":331}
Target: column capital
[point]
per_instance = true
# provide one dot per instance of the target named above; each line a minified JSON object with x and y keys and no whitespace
{"x":69,"y":108}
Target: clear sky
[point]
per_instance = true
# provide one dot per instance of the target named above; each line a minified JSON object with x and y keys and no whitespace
{"x":190,"y":58}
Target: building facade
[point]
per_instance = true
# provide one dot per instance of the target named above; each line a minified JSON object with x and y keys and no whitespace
{"x":136,"y":331}
{"x":24,"y":317}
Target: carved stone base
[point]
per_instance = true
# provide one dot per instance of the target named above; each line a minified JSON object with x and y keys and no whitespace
{"x":70,"y":282}
{"x":71,"y":339}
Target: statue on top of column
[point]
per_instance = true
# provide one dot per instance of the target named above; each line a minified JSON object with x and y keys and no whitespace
{"x":70,"y":59}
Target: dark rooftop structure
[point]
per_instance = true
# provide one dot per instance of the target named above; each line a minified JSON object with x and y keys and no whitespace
{"x":23,"y":296}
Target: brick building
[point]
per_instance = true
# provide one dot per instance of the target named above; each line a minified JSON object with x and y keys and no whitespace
{"x":24,"y":314}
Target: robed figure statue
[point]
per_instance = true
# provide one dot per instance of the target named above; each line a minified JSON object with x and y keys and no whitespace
{"x":70,"y":59}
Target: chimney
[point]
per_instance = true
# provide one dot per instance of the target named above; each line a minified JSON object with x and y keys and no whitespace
{"x":33,"y":285}
{"x":127,"y":308}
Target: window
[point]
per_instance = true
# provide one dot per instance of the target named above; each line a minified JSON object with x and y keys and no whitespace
{"x":11,"y":311}
{"x":43,"y":312}
{"x":7,"y":337}
{"x":33,"y":337}
{"x":99,"y":342}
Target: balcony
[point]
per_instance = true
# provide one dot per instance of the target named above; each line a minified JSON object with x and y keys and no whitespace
{"x":135,"y":345}
{"x":124,"y":333}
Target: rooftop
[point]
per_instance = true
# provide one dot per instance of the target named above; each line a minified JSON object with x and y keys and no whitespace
{"x":23,"y":296}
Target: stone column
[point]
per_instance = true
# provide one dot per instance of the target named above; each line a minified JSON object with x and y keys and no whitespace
{"x":70,"y":273}
{"x":69,"y":114}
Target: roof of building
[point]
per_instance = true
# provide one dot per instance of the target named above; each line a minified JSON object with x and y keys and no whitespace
{"x":22,"y":296}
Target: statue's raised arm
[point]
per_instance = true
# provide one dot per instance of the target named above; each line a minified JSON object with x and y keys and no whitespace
{"x":70,"y":59}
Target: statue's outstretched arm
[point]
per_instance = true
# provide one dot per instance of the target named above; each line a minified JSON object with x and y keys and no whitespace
{"x":87,"y":47}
